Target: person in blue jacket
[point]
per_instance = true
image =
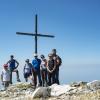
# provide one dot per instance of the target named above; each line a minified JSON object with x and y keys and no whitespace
{"x":36,"y":70}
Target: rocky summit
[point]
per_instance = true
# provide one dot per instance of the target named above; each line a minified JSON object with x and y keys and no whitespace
{"x":74,"y":91}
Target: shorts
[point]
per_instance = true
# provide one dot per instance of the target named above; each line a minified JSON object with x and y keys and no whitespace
{"x":44,"y":69}
{"x":26,"y":75}
{"x":12,"y":69}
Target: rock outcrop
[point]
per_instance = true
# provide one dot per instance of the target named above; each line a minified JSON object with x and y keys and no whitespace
{"x":75,"y":91}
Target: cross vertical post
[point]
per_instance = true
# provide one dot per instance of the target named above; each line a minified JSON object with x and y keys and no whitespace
{"x":36,"y":33}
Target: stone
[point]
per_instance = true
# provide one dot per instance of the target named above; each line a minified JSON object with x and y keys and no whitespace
{"x":78,"y":84}
{"x":57,"y":90}
{"x":41,"y":92}
{"x":94,"y":85}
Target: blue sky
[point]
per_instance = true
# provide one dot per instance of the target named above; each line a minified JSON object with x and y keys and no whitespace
{"x":75,"y":24}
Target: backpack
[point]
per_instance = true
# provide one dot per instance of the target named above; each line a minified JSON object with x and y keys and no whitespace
{"x":60,"y":60}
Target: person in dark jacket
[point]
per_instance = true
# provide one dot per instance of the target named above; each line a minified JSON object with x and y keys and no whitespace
{"x":58,"y":61}
{"x":51,"y":66}
{"x":13,"y":65}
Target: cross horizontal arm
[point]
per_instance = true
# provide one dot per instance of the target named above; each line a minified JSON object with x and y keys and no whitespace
{"x":41,"y":35}
{"x":21,"y":33}
{"x":31,"y":34}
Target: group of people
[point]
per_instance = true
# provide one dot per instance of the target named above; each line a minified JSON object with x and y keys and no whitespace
{"x":47,"y":70}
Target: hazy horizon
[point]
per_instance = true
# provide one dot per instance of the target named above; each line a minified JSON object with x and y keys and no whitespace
{"x":70,"y":73}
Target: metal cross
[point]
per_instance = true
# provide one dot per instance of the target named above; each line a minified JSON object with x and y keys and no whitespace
{"x":35,"y":34}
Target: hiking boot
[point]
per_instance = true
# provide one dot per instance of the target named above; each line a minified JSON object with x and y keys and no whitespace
{"x":10,"y":83}
{"x":39,"y":85}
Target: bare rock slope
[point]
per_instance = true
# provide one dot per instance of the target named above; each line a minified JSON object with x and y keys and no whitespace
{"x":75,"y":91}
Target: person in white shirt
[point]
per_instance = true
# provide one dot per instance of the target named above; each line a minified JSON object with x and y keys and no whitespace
{"x":43,"y":68}
{"x":27,"y":70}
{"x":5,"y":76}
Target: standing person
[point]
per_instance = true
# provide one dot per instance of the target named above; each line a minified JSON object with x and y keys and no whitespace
{"x":27,"y":70}
{"x":13,"y":65}
{"x":51,"y":66}
{"x":36,"y":70}
{"x":5,"y":76}
{"x":58,"y":64}
{"x":43,"y":68}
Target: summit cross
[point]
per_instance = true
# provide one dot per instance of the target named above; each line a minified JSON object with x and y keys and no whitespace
{"x":36,"y":35}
